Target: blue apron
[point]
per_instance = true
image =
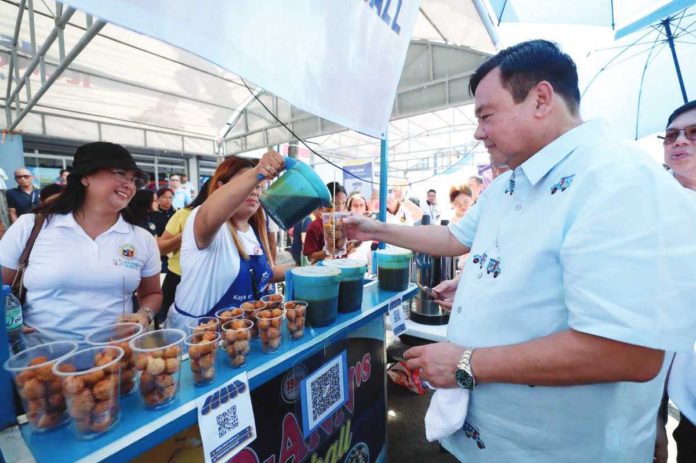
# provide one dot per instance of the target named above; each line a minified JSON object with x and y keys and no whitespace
{"x":251,"y":284}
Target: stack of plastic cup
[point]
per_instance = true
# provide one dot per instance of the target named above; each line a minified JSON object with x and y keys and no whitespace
{"x":119,"y":334}
{"x":91,"y":380}
{"x":41,"y":390}
{"x":158,"y":361}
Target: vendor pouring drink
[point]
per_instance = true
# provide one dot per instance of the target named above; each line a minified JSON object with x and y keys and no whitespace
{"x":581,"y":275}
{"x":225,"y":258}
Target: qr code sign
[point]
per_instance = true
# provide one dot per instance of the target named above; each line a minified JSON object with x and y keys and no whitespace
{"x":325,"y":391}
{"x":227,"y":421}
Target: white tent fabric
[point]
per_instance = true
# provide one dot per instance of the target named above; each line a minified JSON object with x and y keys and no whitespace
{"x":139,"y":91}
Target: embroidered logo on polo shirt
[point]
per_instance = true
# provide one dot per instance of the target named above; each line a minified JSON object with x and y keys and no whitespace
{"x":472,"y":432}
{"x":126,"y":251}
{"x":563,"y":184}
{"x":493,"y":267}
{"x":480,"y":259}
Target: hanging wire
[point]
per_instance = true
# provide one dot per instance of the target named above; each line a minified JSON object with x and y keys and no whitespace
{"x":371,"y":182}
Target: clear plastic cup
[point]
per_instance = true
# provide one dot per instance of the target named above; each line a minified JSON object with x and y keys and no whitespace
{"x":295,"y":313}
{"x":334,"y":235}
{"x":119,"y":334}
{"x":237,"y":337}
{"x":91,"y":380}
{"x":273,"y":301}
{"x":201,"y":324}
{"x":250,"y":309}
{"x":158,"y":361}
{"x":228,"y":314}
{"x":270,"y":323}
{"x":40,"y":390}
{"x":202,"y":350}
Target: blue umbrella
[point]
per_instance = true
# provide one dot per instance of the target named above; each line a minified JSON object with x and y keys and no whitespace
{"x":611,"y":13}
{"x":645,"y":74}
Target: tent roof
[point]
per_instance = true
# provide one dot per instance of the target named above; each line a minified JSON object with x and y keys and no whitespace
{"x":127,"y":87}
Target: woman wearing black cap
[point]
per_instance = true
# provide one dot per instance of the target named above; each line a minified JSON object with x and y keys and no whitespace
{"x":89,"y":257}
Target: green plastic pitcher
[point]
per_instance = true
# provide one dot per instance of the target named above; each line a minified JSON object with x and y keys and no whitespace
{"x":295,"y":194}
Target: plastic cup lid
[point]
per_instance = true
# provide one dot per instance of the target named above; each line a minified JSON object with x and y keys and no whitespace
{"x":315,"y":272}
{"x":344,"y":263}
{"x":394,"y":252}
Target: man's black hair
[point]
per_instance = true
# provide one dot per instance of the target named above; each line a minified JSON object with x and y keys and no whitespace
{"x":524,"y":65}
{"x":432,"y":191}
{"x":686,"y":107}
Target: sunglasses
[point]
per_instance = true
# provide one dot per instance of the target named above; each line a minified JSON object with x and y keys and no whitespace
{"x":123,"y":177}
{"x":671,"y":135}
{"x":22,"y":176}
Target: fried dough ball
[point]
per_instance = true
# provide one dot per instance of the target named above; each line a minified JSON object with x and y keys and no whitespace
{"x":172,"y":365}
{"x":33,"y":389}
{"x":81,"y":404}
{"x":73,"y":385}
{"x":141,"y":362}
{"x":155,"y":366}
{"x":105,"y":389}
{"x":172,"y":351}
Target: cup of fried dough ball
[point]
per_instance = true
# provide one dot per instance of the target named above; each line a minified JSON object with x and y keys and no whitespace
{"x":228,"y":314}
{"x":40,"y":390}
{"x":270,"y":323}
{"x":119,"y":335}
{"x":273,"y":301}
{"x":91,"y":386}
{"x":236,"y":335}
{"x":250,"y":308}
{"x":158,"y":362}
{"x":295,"y":313}
{"x":202,"y":350}
{"x":200,"y":324}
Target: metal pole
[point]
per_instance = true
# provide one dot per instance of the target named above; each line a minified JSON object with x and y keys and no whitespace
{"x":383,"y":179}
{"x":670,"y":40}
{"x":13,"y":65}
{"x":42,"y":51}
{"x":79,"y":46}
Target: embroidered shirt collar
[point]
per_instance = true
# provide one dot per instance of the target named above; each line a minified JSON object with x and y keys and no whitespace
{"x":536,"y":167}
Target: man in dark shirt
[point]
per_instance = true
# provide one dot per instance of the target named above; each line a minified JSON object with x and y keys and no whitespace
{"x":22,"y":199}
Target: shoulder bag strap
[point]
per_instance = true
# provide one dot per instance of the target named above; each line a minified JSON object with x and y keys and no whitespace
{"x":18,"y":282}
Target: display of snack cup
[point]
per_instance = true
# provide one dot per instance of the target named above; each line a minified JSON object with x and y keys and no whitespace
{"x":202,"y":350}
{"x":200,"y":324}
{"x":40,"y":390}
{"x":91,"y":380}
{"x":295,"y":313}
{"x":250,"y":308}
{"x":119,"y":334}
{"x":273,"y":301}
{"x":237,"y":336}
{"x":334,"y":234}
{"x":158,"y":361}
{"x":270,"y":323}
{"x":227,"y":314}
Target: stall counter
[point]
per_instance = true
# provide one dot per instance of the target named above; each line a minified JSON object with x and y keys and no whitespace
{"x":140,"y":429}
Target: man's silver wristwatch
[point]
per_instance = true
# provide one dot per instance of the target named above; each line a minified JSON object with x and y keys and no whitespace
{"x":464,"y":374}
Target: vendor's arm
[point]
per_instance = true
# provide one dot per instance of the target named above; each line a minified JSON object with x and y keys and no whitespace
{"x":222,"y":204}
{"x":279,"y":271}
{"x":169,"y":243}
{"x":566,"y":358}
{"x":149,"y":295}
{"x":413,"y":209}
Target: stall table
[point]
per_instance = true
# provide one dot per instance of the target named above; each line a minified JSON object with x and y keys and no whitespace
{"x":273,"y":382}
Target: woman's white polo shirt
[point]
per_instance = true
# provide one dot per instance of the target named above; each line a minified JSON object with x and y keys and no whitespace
{"x":76,"y":284}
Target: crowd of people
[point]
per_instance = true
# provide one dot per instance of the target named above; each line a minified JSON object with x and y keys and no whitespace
{"x":575,"y":287}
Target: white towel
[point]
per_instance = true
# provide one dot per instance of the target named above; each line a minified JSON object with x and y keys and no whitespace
{"x":446,"y":413}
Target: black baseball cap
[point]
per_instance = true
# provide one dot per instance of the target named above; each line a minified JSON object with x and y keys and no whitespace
{"x":104,"y":155}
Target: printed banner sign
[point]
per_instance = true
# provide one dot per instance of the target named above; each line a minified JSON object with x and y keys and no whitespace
{"x":226,"y":420}
{"x":357,"y":177}
{"x":340,"y":60}
{"x":396,"y":314}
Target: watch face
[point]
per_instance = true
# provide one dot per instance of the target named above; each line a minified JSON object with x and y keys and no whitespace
{"x":464,"y":379}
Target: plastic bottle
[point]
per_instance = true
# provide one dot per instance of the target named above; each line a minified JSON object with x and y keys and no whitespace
{"x":13,"y":319}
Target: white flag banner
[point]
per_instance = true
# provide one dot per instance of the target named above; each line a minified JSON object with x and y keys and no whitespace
{"x":338,"y":59}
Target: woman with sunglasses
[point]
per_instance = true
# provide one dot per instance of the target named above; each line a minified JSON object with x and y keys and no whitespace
{"x":89,"y":256}
{"x":225,"y":258}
